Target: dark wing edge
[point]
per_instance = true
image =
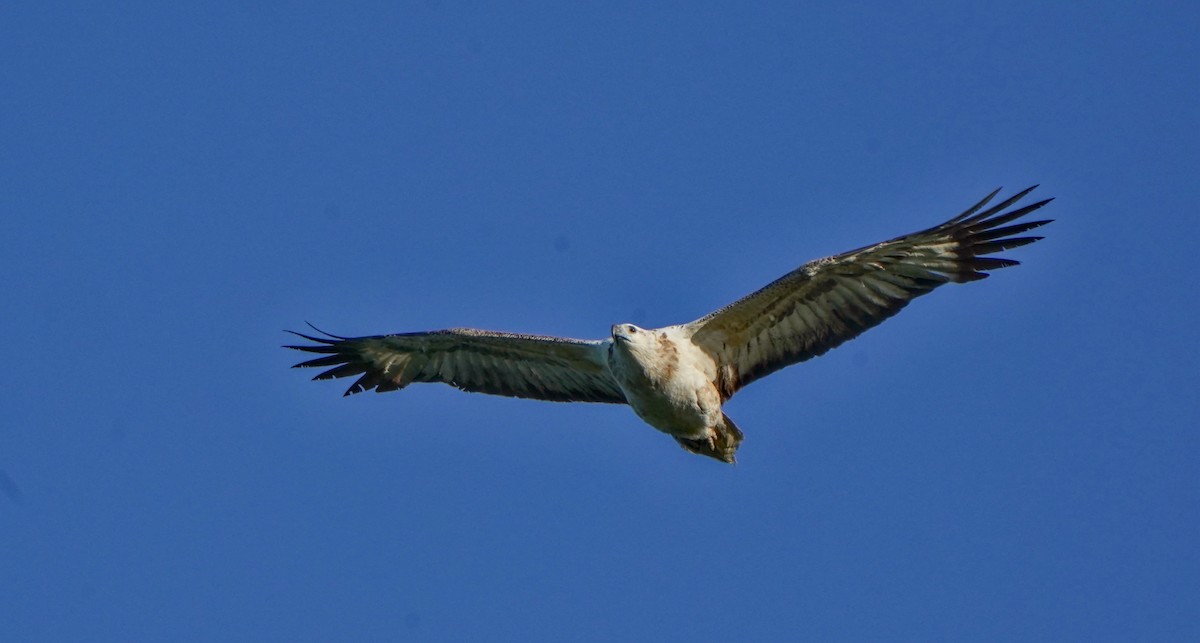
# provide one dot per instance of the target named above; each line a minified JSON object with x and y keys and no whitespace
{"x":528,"y":366}
{"x":829,"y":301}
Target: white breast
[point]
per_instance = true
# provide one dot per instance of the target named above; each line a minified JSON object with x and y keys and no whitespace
{"x":668,"y":381}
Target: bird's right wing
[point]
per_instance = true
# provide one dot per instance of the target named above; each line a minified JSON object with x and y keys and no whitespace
{"x":530,"y":366}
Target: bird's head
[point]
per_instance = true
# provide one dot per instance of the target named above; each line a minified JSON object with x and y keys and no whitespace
{"x":629,"y":335}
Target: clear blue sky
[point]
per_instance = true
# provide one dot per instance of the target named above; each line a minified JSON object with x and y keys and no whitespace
{"x":1015,"y":459}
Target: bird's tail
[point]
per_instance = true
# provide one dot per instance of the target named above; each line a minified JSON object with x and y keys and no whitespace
{"x":724,"y":443}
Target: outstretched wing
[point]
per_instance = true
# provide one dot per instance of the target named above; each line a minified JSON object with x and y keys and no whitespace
{"x":828,"y":301}
{"x":480,"y":361}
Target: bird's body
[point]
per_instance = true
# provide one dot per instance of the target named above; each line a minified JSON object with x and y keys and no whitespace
{"x":669,"y":383}
{"x":676,"y":378}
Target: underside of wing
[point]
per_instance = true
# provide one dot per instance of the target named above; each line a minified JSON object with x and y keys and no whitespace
{"x":829,"y":301}
{"x":529,"y":366}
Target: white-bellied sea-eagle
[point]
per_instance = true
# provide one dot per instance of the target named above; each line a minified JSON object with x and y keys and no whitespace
{"x":676,"y":378}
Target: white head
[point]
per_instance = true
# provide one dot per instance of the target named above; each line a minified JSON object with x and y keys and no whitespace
{"x":649,"y":349}
{"x":629,"y":337}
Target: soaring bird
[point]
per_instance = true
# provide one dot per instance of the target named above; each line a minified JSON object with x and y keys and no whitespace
{"x":677,"y":377}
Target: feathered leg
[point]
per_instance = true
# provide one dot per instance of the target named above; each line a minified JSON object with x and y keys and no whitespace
{"x":722,"y":445}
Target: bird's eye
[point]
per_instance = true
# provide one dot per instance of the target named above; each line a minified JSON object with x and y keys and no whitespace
{"x":633,"y":329}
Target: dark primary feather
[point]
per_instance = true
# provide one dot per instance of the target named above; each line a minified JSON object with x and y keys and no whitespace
{"x":530,"y":366}
{"x":829,"y":301}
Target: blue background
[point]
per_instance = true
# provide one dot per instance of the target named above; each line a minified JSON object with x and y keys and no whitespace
{"x":1010,"y":460}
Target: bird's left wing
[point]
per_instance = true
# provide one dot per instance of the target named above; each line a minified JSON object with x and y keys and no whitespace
{"x":828,"y":301}
{"x":531,"y":366}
